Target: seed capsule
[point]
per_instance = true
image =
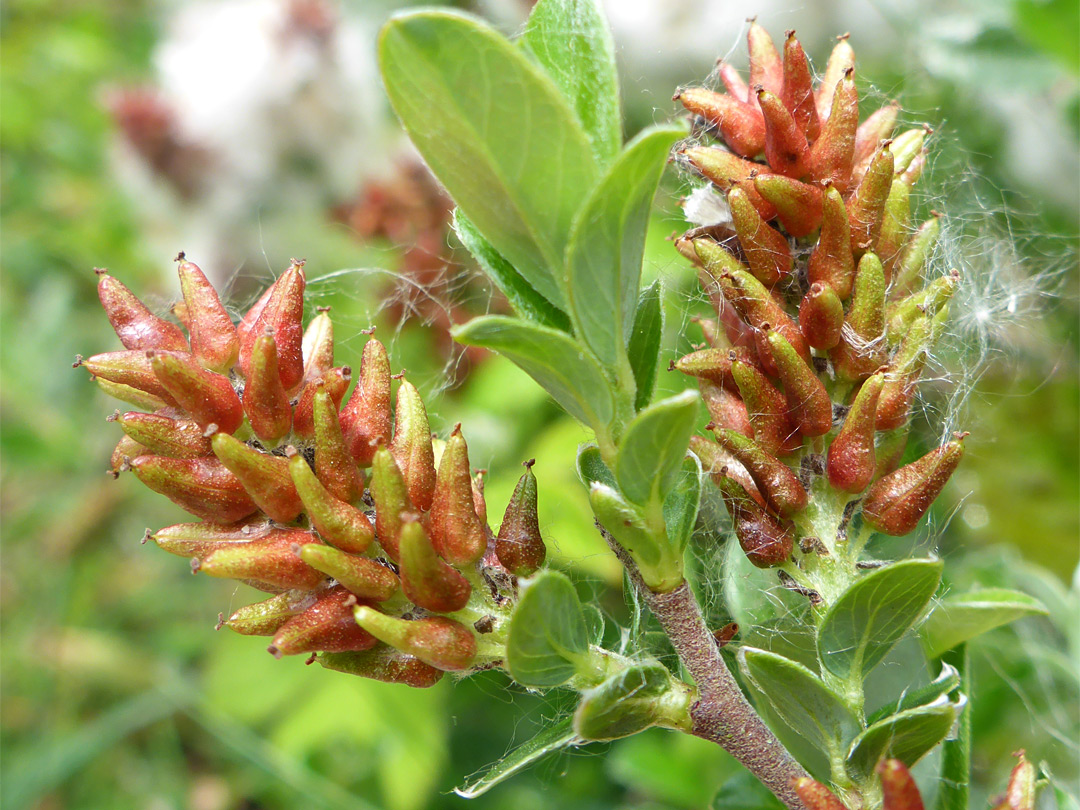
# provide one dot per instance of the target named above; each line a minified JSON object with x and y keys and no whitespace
{"x":852,"y":463}
{"x":519,"y":546}
{"x":833,"y":153}
{"x":727,"y":171}
{"x":786,"y":149}
{"x":269,"y":560}
{"x":707,"y":364}
{"x":841,"y":63}
{"x":772,"y":477}
{"x":131,"y":369}
{"x":126,"y":449}
{"x":717,"y":463}
{"x":797,"y":92}
{"x":202,"y":486}
{"x":906,"y":147}
{"x":754,"y":302}
{"x":214,"y":340}
{"x":199,"y":539}
{"x":334,"y":467}
{"x":832,"y":262}
{"x":809,"y":404}
{"x":318,"y":345}
{"x":894,"y":226}
{"x":900,"y":315}
{"x":208,"y":397}
{"x":733,"y":82}
{"x":766,"y":68}
{"x":889,"y":448}
{"x":726,"y":408}
{"x":895,"y":504}
{"x":426,"y":580}
{"x":898,"y":788}
{"x":441,"y":642}
{"x":382,"y":663}
{"x":281,"y":314}
{"x":366,"y":419}
{"x":764,"y":540}
{"x":903,"y":375}
{"x":875,"y":129}
{"x":339,"y":523}
{"x":816,"y":796}
{"x":821,"y":317}
{"x":411,"y":446}
{"x":327,"y":625}
{"x":135,"y":325}
{"x":265,"y":401}
{"x":1020,"y":794}
{"x":861,"y":350}
{"x":767,"y":251}
{"x":798,"y":205}
{"x":132,"y":396}
{"x":739,"y":123}
{"x":456,"y":531}
{"x":767,"y":410}
{"x":162,"y":435}
{"x":907,"y":272}
{"x":265,"y":477}
{"x":391,"y":497}
{"x":866,"y":206}
{"x":266,"y":618}
{"x":335,"y":382}
{"x":361,"y":576}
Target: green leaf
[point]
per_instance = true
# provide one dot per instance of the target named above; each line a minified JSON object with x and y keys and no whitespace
{"x":961,"y":617}
{"x":654,"y":445}
{"x":631,"y":701}
{"x":682,"y":503}
{"x":907,"y":736}
{"x":873,"y":614}
{"x":591,"y":467}
{"x":944,"y":684}
{"x":744,"y":791}
{"x":571,"y":41}
{"x":548,"y":634}
{"x":644,"y":346}
{"x":497,"y":133}
{"x":626,"y":523}
{"x":603,"y":257}
{"x":559,"y":736}
{"x":566,"y":371}
{"x":800,"y":698}
{"x":525,"y":300}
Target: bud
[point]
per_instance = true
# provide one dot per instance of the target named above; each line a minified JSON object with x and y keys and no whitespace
{"x":852,"y":463}
{"x":270,"y":560}
{"x":875,"y":129}
{"x":786,"y":149}
{"x":266,"y":618}
{"x":895,"y":504}
{"x":767,"y":251}
{"x":337,"y":522}
{"x":361,"y":576}
{"x":317,"y":346}
{"x":441,"y":642}
{"x":266,"y":403}
{"x":382,"y":663}
{"x":907,"y":272}
{"x":707,"y":364}
{"x":821,"y":317}
{"x":772,"y":477}
{"x":336,"y":383}
{"x":519,"y":546}
{"x":898,"y":789}
{"x":833,"y":153}
{"x":412,"y":449}
{"x":265,"y":477}
{"x":766,"y":69}
{"x":202,"y":486}
{"x":866,"y":205}
{"x":726,"y":408}
{"x":841,"y":63}
{"x":164,"y":436}
{"x":132,"y":396}
{"x":740,"y":123}
{"x":809,"y":404}
{"x":861,"y":350}
{"x":1020,"y":795}
{"x":365,"y":420}
{"x":717,"y":463}
{"x":456,"y":531}
{"x":894,"y":226}
{"x":815,"y":795}
{"x":727,"y":171}
{"x":135,"y":325}
{"x":327,"y":625}
{"x":426,"y":580}
{"x":199,"y":539}
{"x":391,"y":497}
{"x":797,"y":91}
{"x":767,"y":410}
{"x":334,"y":467}
{"x":131,"y":369}
{"x":281,"y":314}
{"x":797,"y":205}
{"x":764,"y":540}
{"x":832,"y":262}
{"x":207,"y":396}
{"x":214,"y":341}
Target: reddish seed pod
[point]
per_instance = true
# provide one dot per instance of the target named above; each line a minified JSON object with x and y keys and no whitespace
{"x":866,"y":205}
{"x":873,"y":131}
{"x":862,"y":348}
{"x":889,"y":449}
{"x":334,"y":467}
{"x":265,"y":401}
{"x":740,"y":124}
{"x":766,"y":67}
{"x":411,"y":446}
{"x":126,"y":449}
{"x":903,"y":374}
{"x":798,"y":92}
{"x":821,"y":317}
{"x":266,"y":618}
{"x":391,"y":496}
{"x":754,"y":302}
{"x":519,"y":546}
{"x":214,"y":340}
{"x":426,"y":580}
{"x":1020,"y":794}
{"x":726,"y":408}
{"x":382,"y":663}
{"x":338,"y":522}
{"x":318,"y":346}
{"x":456,"y":531}
{"x":132,"y":396}
{"x":281,"y":314}
{"x":727,"y":171}
{"x":733,"y":82}
{"x":767,"y":410}
{"x":335,"y":382}
{"x":199,"y":539}
{"x":717,"y":463}
{"x":809,"y":404}
{"x":265,"y":477}
{"x":207,"y":396}
{"x":707,"y":364}
{"x":852,"y":463}
{"x":366,"y":419}
{"x":162,"y":435}
{"x":833,"y":153}
{"x":135,"y":325}
{"x":361,"y":576}
{"x":772,"y":477}
{"x":898,"y":788}
{"x":841,"y":63}
{"x":832,"y":262}
{"x":441,"y":642}
{"x":815,"y":795}
{"x":327,"y":625}
{"x":269,"y":560}
{"x":764,"y":540}
{"x":479,"y":502}
{"x":797,"y":205}
{"x":129,"y":369}
{"x":786,"y":149}
{"x":202,"y":486}
{"x":251,"y":317}
{"x":895,"y":504}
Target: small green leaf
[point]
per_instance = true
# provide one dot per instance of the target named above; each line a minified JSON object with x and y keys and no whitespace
{"x":559,"y":736}
{"x":800,"y":698}
{"x":626,"y":523}
{"x":631,"y":701}
{"x":603,"y":256}
{"x":591,"y":467}
{"x":907,"y":736}
{"x":644,"y":346}
{"x":571,"y":41}
{"x":873,"y":614}
{"x":548,"y":633}
{"x":944,"y":684}
{"x":961,"y":617}
{"x":566,"y":371}
{"x":654,"y":445}
{"x":496,"y":131}
{"x":525,"y":300}
{"x":744,"y":791}
{"x":682,"y":503}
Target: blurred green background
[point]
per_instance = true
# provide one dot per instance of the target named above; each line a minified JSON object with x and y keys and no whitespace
{"x":117,"y":693}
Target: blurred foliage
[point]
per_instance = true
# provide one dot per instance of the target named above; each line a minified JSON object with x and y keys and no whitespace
{"x":116,"y":691}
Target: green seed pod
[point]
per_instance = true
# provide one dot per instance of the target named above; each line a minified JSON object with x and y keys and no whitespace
{"x":339,"y":523}
{"x":707,"y":364}
{"x":739,"y":123}
{"x":164,"y":436}
{"x":895,"y":504}
{"x":821,"y":317}
{"x":861,"y":350}
{"x":411,"y":446}
{"x":519,"y":546}
{"x":426,"y":580}
{"x":391,"y":496}
{"x":832,"y":263}
{"x":894,"y":226}
{"x":767,"y":251}
{"x":797,"y":91}
{"x":786,"y":149}
{"x":852,"y":463}
{"x":334,"y":467}
{"x":906,"y":147}
{"x":199,"y":539}
{"x":202,"y":486}
{"x":270,"y":560}
{"x":757,"y":306}
{"x":438,"y":641}
{"x":265,"y":477}
{"x":214,"y":340}
{"x":908,"y":271}
{"x":266,"y":618}
{"x":131,"y":369}
{"x":866,"y":205}
{"x":207,"y":396}
{"x":898,"y":788}
{"x":326,"y":626}
{"x":382,"y":663}
{"x":281,"y":314}
{"x":809,"y":404}
{"x":132,"y":396}
{"x":900,"y":315}
{"x":727,"y":171}
{"x":135,"y":325}
{"x":833,"y":153}
{"x":361,"y":576}
{"x":767,"y":410}
{"x":317,"y":345}
{"x":772,"y":477}
{"x":797,"y":205}
{"x":456,"y":531}
{"x":266,"y":403}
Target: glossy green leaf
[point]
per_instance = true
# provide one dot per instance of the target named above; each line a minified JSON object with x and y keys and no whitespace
{"x":654,"y":445}
{"x":907,"y":736}
{"x":548,"y":633}
{"x":559,"y":736}
{"x":961,"y":617}
{"x":571,"y":41}
{"x":682,"y":503}
{"x":496,"y":131}
{"x":591,"y":467}
{"x":644,"y":346}
{"x":944,"y":684}
{"x":630,"y":701}
{"x":525,"y":300}
{"x":603,"y":257}
{"x":562,"y":368}
{"x":800,"y":698}
{"x":873,"y":614}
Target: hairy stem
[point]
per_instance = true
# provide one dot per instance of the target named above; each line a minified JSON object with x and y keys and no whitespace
{"x":721,"y":714}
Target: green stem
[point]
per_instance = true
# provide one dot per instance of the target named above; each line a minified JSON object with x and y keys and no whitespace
{"x":956,"y":754}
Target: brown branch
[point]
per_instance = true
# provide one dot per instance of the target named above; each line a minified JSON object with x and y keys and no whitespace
{"x":721,"y":714}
